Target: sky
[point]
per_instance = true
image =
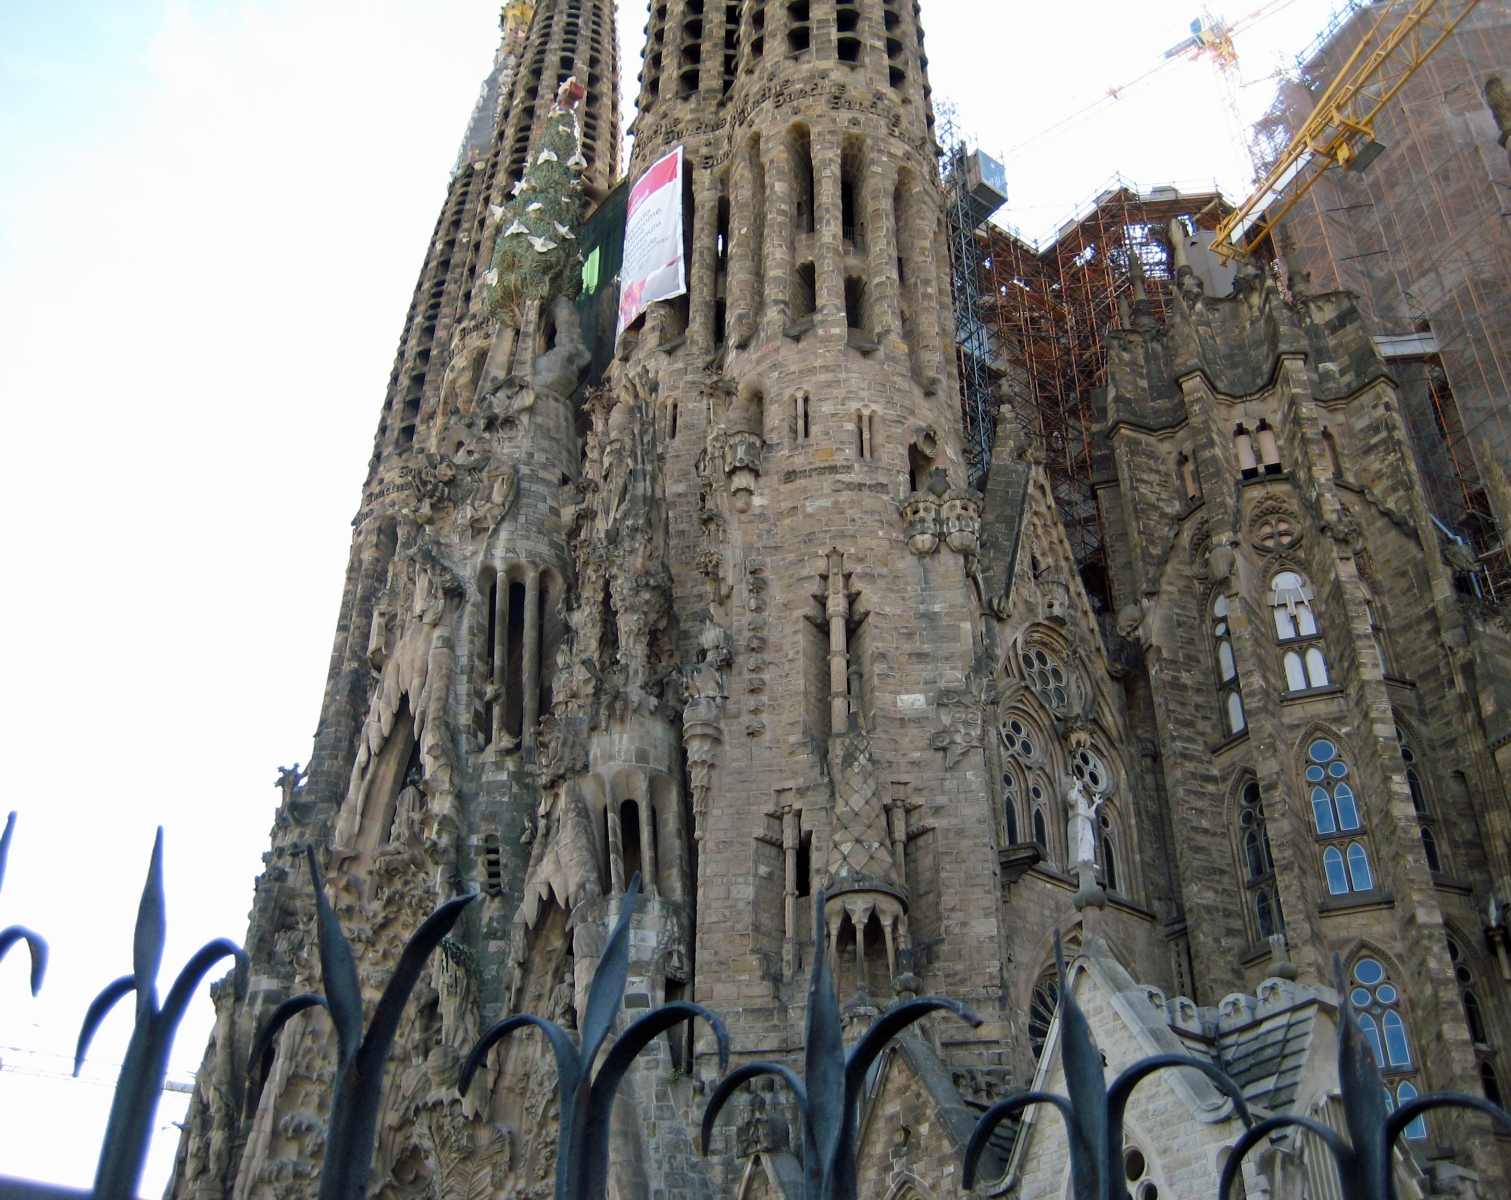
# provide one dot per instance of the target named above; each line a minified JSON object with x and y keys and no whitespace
{"x":212,"y":214}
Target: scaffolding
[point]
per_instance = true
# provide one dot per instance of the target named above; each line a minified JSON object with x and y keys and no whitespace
{"x":1029,"y":327}
{"x":978,"y":349}
{"x":1421,"y":239}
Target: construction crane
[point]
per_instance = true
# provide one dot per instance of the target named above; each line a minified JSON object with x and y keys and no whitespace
{"x":1212,"y":38}
{"x":1340,"y":130}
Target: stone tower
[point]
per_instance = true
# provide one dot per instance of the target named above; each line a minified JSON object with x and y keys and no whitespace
{"x":728,"y":614}
{"x":824,"y":542}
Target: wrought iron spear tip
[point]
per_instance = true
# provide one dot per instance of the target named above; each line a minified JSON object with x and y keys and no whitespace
{"x":99,"y":1009}
{"x":151,"y":929}
{"x":742,"y":1075}
{"x":338,"y":970}
{"x":10,"y":828}
{"x":568,"y":1064}
{"x":279,"y":1018}
{"x":1006,"y":1110}
{"x":35,"y":943}
{"x":607,"y":990}
{"x":1343,"y":1155}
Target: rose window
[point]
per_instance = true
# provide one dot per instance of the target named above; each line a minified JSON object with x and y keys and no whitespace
{"x":1275,"y":533}
{"x":1046,"y":677}
{"x":1015,"y":739}
{"x":1090,"y":770}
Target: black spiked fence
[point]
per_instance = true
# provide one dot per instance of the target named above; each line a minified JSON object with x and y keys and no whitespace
{"x":361,"y":1060}
{"x":828,"y":1094}
{"x":587,"y":1098}
{"x":1093,"y":1112}
{"x":133,"y":1111}
{"x":12,"y":934}
{"x":833,"y":1083}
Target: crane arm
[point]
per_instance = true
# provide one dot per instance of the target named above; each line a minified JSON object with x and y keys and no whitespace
{"x":1340,"y":129}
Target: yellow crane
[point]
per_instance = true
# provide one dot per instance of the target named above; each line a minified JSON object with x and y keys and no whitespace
{"x":1340,"y":130}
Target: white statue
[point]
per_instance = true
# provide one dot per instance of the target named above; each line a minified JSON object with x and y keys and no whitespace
{"x":1081,"y":827}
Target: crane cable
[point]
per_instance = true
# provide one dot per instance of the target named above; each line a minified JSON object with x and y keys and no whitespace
{"x":1114,"y":94}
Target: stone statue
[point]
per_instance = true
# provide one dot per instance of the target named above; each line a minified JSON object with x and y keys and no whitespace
{"x":289,"y":779}
{"x":1081,"y":832}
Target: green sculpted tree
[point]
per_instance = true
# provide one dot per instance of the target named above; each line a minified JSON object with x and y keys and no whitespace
{"x":535,"y":253}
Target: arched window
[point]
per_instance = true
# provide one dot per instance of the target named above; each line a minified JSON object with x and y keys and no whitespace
{"x":1358,"y":868}
{"x":1375,"y":999}
{"x":1227,"y":668}
{"x":1108,"y":857}
{"x":1257,"y":862}
{"x":1090,"y":770}
{"x":1295,"y":625}
{"x":1009,"y":809}
{"x":1291,"y":599}
{"x":1337,"y":878}
{"x":1039,"y":833}
{"x":1375,"y":635}
{"x":1474,"y":1018}
{"x":1335,"y":808}
{"x":1407,"y":1091}
{"x":1488,"y":1082}
{"x":1041,"y":1011}
{"x":1376,"y":1002}
{"x":1427,"y":822}
{"x":1430,"y":849}
{"x":1047,"y":677}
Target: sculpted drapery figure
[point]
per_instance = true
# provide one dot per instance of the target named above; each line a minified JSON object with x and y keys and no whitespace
{"x":1081,"y":826}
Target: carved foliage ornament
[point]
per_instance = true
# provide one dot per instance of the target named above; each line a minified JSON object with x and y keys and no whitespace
{"x":1273,"y":527}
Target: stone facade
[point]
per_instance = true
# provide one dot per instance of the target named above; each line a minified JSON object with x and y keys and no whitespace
{"x":733,"y":617}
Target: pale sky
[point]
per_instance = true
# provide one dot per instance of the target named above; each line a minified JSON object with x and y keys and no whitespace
{"x":212,"y":214}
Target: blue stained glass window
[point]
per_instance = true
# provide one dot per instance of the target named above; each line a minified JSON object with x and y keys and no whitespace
{"x":1358,"y":868}
{"x":1322,"y":812}
{"x":1337,"y":879}
{"x":1361,"y":997}
{"x":1321,"y":750}
{"x":1418,"y":1127}
{"x":1262,"y":911}
{"x":1337,"y":769}
{"x":1316,"y":774}
{"x":1369,"y":972}
{"x":1395,"y":1040}
{"x":1372,"y":1032}
{"x":1348,"y":811}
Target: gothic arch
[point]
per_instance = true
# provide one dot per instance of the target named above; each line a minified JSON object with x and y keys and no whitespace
{"x":1364,"y":948}
{"x":907,"y":1186}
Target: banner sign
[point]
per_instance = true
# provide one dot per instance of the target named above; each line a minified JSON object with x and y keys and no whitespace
{"x":653,"y":268}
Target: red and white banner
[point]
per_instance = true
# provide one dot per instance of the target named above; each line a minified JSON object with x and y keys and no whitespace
{"x":653,"y":267}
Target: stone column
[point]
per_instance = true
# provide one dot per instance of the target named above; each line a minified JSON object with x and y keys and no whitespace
{"x":882,"y":235}
{"x":616,"y":849}
{"x":828,"y":258}
{"x":789,"y":891}
{"x":838,"y":611}
{"x":744,"y":248}
{"x":923,"y":275}
{"x":779,"y":249}
{"x":530,"y":702}
{"x":500,"y":656}
{"x":647,"y":849}
{"x":700,"y":317}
